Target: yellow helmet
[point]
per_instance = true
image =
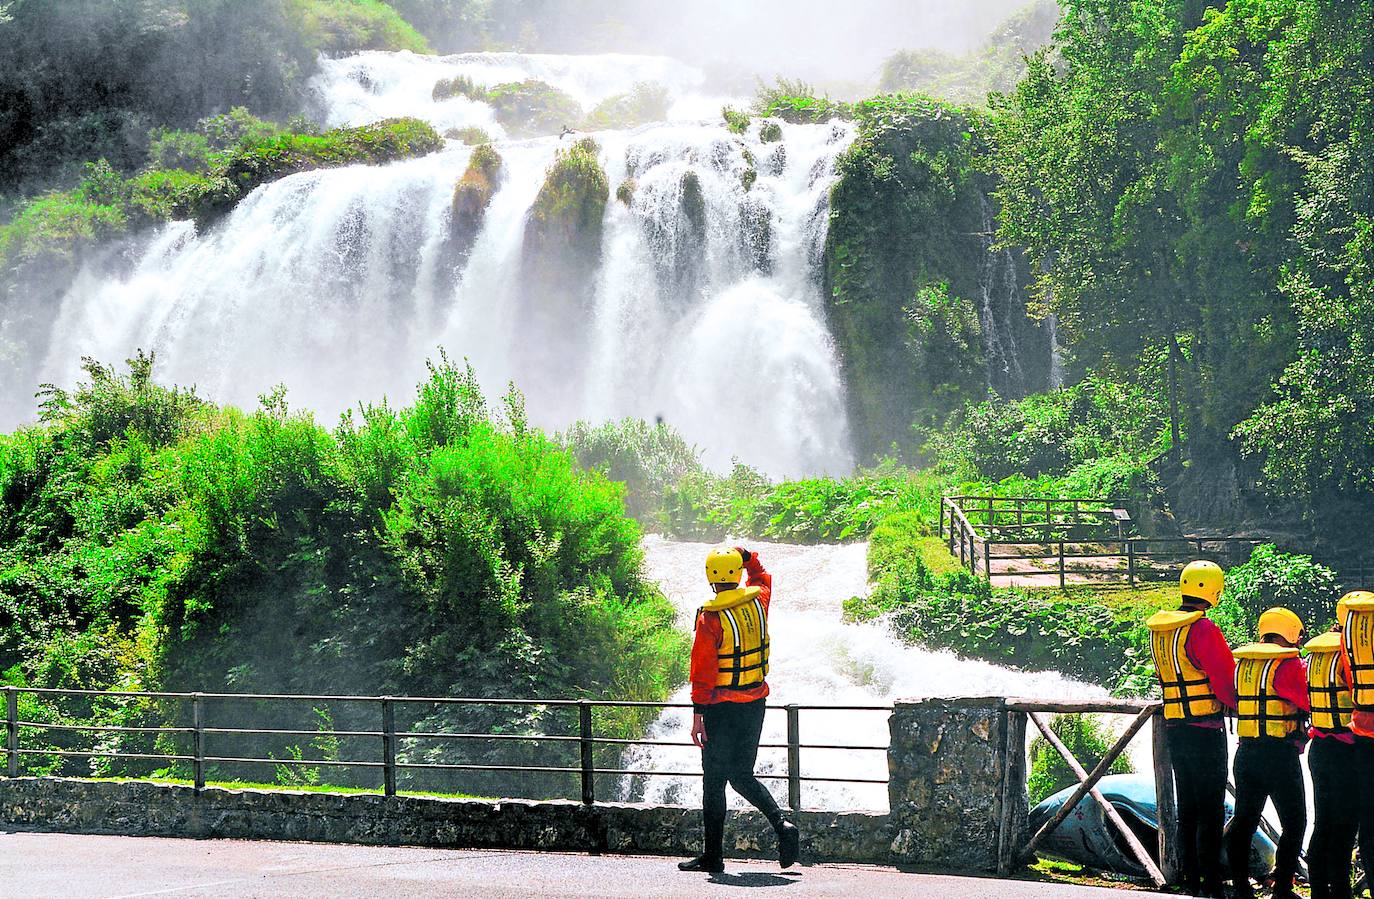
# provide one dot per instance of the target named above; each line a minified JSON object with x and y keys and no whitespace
{"x":1202,"y":580}
{"x":724,"y":565}
{"x":1282,"y":622}
{"x":1343,"y":603}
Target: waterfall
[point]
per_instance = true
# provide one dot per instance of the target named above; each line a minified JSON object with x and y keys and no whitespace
{"x":817,"y":659}
{"x":1056,"y":352}
{"x":999,"y":295}
{"x":703,"y":308}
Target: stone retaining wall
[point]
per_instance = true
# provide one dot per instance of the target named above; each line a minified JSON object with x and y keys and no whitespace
{"x":166,"y":810}
{"x":949,"y":785}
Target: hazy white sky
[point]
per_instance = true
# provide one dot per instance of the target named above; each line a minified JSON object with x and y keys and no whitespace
{"x":819,"y":39}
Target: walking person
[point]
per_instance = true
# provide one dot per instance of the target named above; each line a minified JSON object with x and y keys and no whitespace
{"x":1196,"y":671}
{"x":1271,"y":708}
{"x":1332,"y":761}
{"x":729,"y":684}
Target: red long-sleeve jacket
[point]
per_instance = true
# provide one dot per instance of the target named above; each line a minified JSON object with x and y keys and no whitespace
{"x":706,"y":647}
{"x":1208,"y":650}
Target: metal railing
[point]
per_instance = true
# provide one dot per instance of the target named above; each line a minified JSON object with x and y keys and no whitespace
{"x":388,"y":737}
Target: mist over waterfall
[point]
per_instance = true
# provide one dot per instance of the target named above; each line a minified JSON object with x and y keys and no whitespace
{"x":704,"y":294}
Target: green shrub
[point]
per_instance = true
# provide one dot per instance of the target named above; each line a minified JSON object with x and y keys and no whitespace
{"x":471,"y":136}
{"x":171,"y":149}
{"x":625,"y":191}
{"x":646,"y":458}
{"x":150,"y":539}
{"x":647,"y":102}
{"x":770,"y":132}
{"x":458,"y":86}
{"x":735,"y":121}
{"x":532,"y":108}
{"x":1272,"y":578}
{"x":1086,"y":739}
{"x":347,"y":26}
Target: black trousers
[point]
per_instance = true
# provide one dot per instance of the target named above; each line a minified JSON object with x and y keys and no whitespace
{"x":1267,"y":768}
{"x":1360,"y":777}
{"x":1198,"y":757}
{"x":1336,"y":808}
{"x":732,"y":746}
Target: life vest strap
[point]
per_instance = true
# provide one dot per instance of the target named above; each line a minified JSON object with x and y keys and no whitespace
{"x":762,"y":647}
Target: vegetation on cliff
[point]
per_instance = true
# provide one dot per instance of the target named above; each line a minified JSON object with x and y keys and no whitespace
{"x":471,"y":195}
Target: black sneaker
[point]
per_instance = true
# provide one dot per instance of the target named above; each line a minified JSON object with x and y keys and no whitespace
{"x":702,"y":863}
{"x":789,"y":844}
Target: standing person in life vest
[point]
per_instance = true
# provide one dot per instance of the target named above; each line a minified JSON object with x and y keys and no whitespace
{"x":729,"y":671}
{"x":1196,"y":672}
{"x":1335,"y":805}
{"x":1271,"y":709}
{"x":1357,"y":661}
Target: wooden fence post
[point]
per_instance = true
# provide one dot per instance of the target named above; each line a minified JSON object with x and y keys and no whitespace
{"x":1130,"y":562}
{"x":1166,"y":808}
{"x":987,"y":560}
{"x":1013,"y":779}
{"x":1061,"y":565}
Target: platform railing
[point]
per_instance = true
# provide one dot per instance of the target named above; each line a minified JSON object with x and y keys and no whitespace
{"x":388,"y":760}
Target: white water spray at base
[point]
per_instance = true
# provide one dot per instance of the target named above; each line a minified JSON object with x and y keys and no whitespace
{"x":817,"y":659}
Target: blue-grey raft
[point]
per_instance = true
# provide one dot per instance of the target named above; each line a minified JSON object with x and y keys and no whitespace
{"x":1086,"y":837}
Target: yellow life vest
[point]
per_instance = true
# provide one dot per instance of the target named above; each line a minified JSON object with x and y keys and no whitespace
{"x":1188,"y":694}
{"x":1326,"y":690}
{"x":742,"y":658}
{"x":1357,"y":641}
{"x":1260,"y":711}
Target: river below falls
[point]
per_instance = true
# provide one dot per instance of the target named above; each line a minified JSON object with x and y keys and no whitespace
{"x":817,"y":659}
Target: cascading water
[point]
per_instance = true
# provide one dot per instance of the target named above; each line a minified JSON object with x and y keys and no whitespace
{"x":340,"y":283}
{"x":998,"y":293}
{"x":1056,"y":352}
{"x":818,"y":659}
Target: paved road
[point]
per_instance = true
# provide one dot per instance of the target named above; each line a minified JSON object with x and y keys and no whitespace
{"x":71,"y":866}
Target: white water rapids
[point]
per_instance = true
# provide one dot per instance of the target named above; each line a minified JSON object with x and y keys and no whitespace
{"x":340,"y":283}
{"x":818,"y":659}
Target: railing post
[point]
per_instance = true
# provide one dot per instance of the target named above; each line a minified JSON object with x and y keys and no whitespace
{"x":1166,"y":807}
{"x":388,"y":746}
{"x":1061,"y":565}
{"x":794,"y":757}
{"x":198,"y":722}
{"x":12,"y":730}
{"x":987,"y":560}
{"x":943,"y":502}
{"x":1130,"y":562}
{"x":584,"y":716}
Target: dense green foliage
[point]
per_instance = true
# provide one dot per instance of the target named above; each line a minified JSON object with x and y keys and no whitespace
{"x":1272,"y":578}
{"x":647,"y":102}
{"x":1193,"y":182}
{"x":904,"y":261}
{"x":86,"y":79}
{"x":150,"y":539}
{"x":570,"y":204}
{"x":1081,"y":735}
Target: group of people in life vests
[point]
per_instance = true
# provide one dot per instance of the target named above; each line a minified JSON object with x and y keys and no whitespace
{"x":1279,"y":703}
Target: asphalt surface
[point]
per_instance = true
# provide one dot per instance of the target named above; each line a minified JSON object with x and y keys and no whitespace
{"x":73,"y":866}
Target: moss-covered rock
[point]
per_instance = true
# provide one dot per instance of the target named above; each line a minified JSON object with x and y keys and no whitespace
{"x":248,"y":168}
{"x":532,"y":108}
{"x":648,"y":102}
{"x":756,"y":234}
{"x":566,"y":215}
{"x":770,"y":132}
{"x":471,"y":195}
{"x":625,"y":193}
{"x":907,"y":263}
